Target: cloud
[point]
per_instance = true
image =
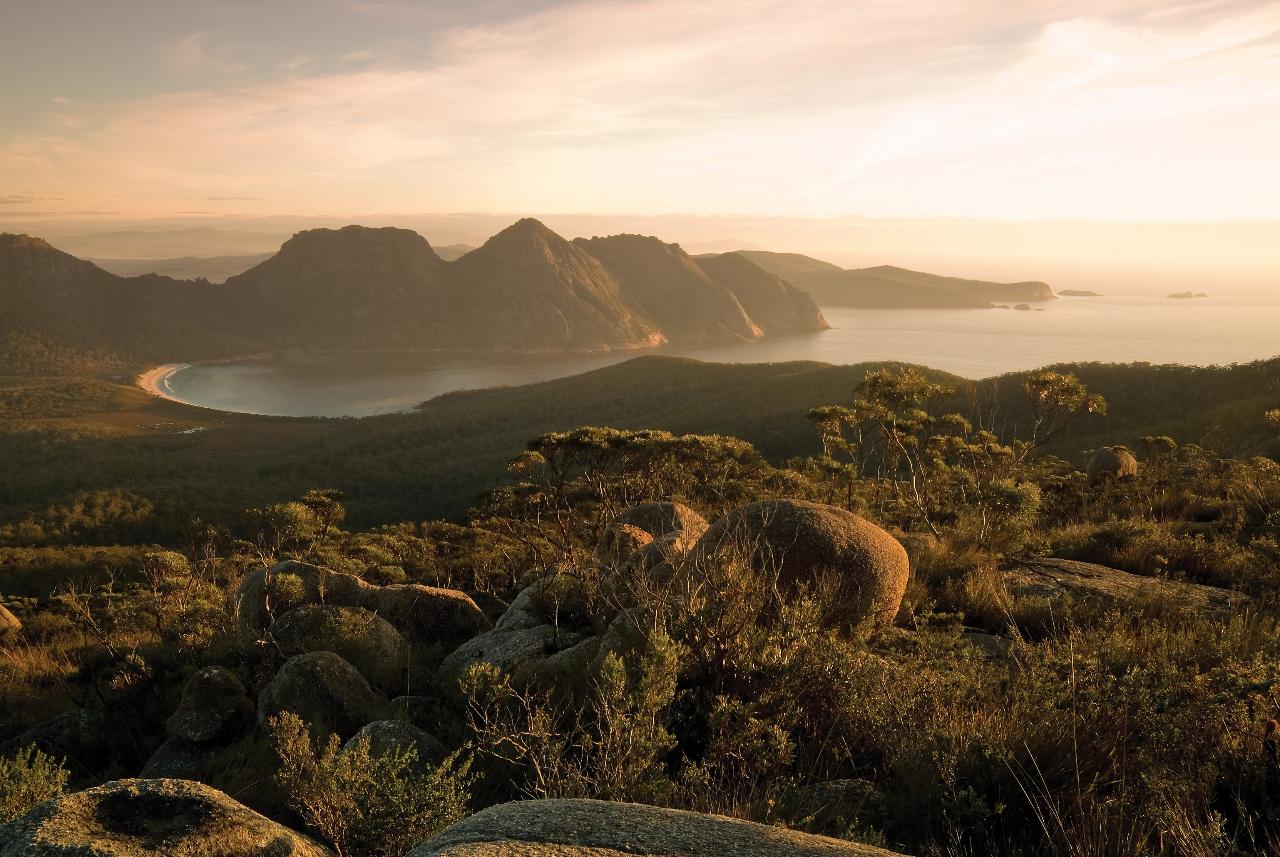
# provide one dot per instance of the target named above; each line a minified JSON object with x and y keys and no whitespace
{"x":804,"y":107}
{"x":195,"y":52}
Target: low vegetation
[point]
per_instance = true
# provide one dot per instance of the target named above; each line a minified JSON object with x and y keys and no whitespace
{"x":636,"y":658}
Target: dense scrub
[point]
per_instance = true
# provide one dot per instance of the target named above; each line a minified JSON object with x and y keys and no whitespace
{"x":987,"y":719}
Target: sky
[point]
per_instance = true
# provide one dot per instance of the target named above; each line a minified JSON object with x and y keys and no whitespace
{"x":1009,"y":110}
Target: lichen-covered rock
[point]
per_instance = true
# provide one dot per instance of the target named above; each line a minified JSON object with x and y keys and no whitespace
{"x":365,"y":640}
{"x":325,"y":691}
{"x":427,"y":615}
{"x":424,"y":615}
{"x":1112,"y":463}
{"x":594,"y":828}
{"x":214,"y":705}
{"x":662,"y":518}
{"x":133,"y":818}
{"x":555,"y":600}
{"x":266,"y":593}
{"x":811,"y":544}
{"x":388,"y":736}
{"x":509,"y":649}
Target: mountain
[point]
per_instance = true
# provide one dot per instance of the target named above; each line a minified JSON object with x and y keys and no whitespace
{"x":526,"y":289}
{"x":60,"y":299}
{"x":668,"y":287}
{"x":788,"y":266}
{"x":776,"y":305}
{"x":354,"y":287}
{"x":215,"y":269}
{"x":887,"y":286}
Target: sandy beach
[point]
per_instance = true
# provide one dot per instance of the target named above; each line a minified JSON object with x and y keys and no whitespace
{"x":156,"y":381}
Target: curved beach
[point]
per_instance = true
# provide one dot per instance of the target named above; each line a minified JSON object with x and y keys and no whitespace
{"x":156,"y":381}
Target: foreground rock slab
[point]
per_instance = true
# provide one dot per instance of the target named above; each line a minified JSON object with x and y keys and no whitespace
{"x":593,"y":828}
{"x":1053,"y":579}
{"x":132,"y":818}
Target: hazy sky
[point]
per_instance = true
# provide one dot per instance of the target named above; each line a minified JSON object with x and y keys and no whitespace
{"x":1000,"y":109}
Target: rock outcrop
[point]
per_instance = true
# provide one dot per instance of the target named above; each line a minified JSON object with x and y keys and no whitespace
{"x":811,"y":544}
{"x":593,"y":828}
{"x":8,"y":621}
{"x":136,"y":818}
{"x":368,"y":642}
{"x":424,"y":615}
{"x":325,"y":691}
{"x":214,"y":706}
{"x":1053,"y":580}
{"x":387,"y":736}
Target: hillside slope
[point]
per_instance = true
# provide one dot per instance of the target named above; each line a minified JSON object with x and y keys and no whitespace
{"x":435,"y":460}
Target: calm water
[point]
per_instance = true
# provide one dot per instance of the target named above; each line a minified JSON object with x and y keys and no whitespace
{"x":972,"y":343}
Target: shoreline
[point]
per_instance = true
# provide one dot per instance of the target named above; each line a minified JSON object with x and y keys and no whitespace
{"x":155,"y":381}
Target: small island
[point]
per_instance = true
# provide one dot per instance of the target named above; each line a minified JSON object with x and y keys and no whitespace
{"x":1079,"y":293}
{"x":1186,"y":296}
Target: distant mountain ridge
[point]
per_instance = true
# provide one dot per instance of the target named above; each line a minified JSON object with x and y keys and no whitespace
{"x":889,"y":287}
{"x":526,"y":289}
{"x":215,"y":269}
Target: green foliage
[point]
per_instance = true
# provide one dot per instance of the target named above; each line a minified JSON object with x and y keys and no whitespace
{"x":366,"y":805}
{"x":27,"y":779}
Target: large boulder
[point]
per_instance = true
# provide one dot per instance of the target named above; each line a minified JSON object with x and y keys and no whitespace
{"x":365,"y":640}
{"x":214,"y":706}
{"x":811,"y":544}
{"x":594,"y":828}
{"x":424,"y":615}
{"x":85,"y":739}
{"x":428,"y":615}
{"x":388,"y":736}
{"x":133,"y":818}
{"x":325,"y":691}
{"x":513,"y":650}
{"x":1112,"y":463}
{"x":662,"y":518}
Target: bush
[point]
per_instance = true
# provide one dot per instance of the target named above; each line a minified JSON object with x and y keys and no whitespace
{"x":28,"y":779}
{"x":366,"y":805}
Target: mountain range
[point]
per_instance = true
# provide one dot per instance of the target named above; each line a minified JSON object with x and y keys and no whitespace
{"x":526,"y":289}
{"x":888,"y":287}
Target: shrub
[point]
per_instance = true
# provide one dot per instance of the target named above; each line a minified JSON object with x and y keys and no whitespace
{"x":366,"y":805}
{"x":28,"y":779}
